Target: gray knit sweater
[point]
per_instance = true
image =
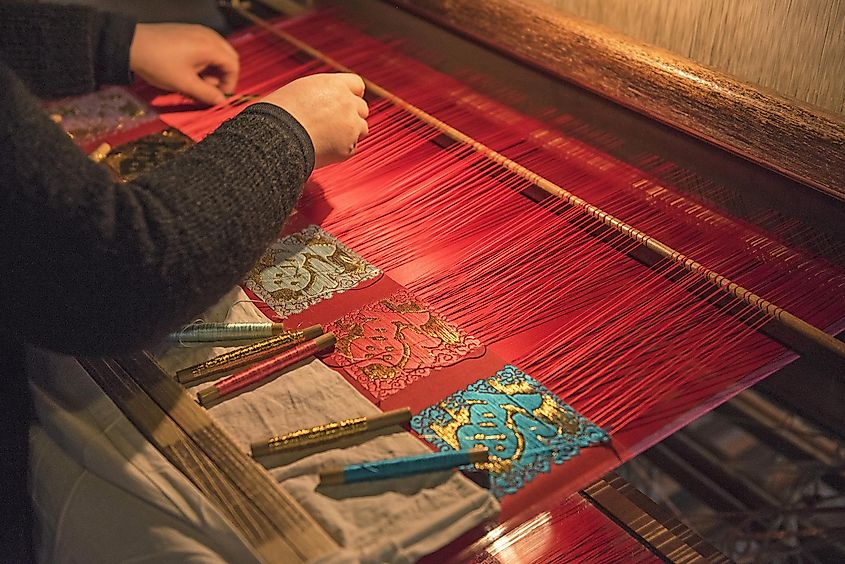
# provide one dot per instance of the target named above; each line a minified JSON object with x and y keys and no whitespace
{"x":88,"y":266}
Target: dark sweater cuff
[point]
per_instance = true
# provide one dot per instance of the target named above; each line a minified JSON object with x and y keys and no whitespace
{"x":114,"y":38}
{"x":293,"y":126}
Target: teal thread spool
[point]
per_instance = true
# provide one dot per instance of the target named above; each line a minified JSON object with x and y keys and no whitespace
{"x":404,"y":466}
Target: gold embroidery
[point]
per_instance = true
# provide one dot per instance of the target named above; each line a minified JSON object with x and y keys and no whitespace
{"x":380,"y":371}
{"x":307,"y":437}
{"x":511,"y":389}
{"x":554,"y":414}
{"x":133,"y":159}
{"x":435,"y":327}
{"x":305,"y":268}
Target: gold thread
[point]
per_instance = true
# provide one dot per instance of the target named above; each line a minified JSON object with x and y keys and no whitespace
{"x":224,"y":360}
{"x":315,"y":435}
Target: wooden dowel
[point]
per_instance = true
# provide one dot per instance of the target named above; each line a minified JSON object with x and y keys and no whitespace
{"x":264,"y":370}
{"x":213,"y":333}
{"x":402,"y":467}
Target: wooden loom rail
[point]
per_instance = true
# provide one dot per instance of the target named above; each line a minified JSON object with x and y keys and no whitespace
{"x":795,"y":139}
{"x":789,"y":321}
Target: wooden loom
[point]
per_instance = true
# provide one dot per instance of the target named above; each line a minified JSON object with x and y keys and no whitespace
{"x":799,"y":127}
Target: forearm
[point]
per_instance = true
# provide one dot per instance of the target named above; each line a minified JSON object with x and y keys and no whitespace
{"x":65,"y":50}
{"x":91,"y":267}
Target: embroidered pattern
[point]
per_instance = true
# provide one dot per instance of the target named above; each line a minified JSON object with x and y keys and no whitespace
{"x":523,"y":425}
{"x":89,"y":117}
{"x":396,"y":341}
{"x":133,"y":159}
{"x":305,"y":268}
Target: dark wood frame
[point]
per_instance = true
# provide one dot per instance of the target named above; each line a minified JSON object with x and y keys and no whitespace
{"x":797,"y":140}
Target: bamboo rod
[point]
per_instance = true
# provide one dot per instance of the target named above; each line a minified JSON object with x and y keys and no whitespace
{"x":787,"y":319}
{"x":651,"y":524}
{"x":185,"y":452}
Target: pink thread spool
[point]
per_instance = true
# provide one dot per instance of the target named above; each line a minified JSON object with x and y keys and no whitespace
{"x":263,"y":370}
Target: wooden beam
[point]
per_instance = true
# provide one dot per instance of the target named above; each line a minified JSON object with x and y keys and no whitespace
{"x":792,"y":138}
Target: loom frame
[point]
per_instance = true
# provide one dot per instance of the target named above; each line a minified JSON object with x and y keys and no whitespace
{"x":819,"y":132}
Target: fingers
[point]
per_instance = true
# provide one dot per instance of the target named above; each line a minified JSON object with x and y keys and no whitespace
{"x":200,"y":90}
{"x":363,"y":108}
{"x":211,"y":79}
{"x":363,"y":131}
{"x":220,"y":73}
{"x":189,"y":58}
{"x":224,"y":60}
{"x":228,"y":68}
{"x":355,"y":83}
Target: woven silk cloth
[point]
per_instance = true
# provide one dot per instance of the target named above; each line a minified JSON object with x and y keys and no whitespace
{"x":396,"y":341}
{"x":131,"y":160}
{"x":305,"y":268}
{"x":106,"y":111}
{"x":525,"y":427}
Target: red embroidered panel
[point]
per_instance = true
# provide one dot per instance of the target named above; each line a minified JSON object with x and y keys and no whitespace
{"x":395,"y":341}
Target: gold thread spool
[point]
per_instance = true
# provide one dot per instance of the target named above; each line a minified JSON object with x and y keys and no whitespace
{"x":100,"y":152}
{"x":233,"y":360}
{"x":330,"y":432}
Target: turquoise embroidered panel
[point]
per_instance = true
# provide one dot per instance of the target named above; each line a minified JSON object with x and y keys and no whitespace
{"x":524,"y":426}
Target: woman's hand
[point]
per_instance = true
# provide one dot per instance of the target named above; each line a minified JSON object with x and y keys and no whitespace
{"x":190,"y":59}
{"x":332,"y":110}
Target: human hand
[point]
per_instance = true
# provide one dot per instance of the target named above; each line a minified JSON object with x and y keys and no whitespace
{"x":332,"y":110}
{"x":190,"y":59}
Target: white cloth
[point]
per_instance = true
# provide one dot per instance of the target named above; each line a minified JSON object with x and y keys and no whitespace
{"x":102,"y":493}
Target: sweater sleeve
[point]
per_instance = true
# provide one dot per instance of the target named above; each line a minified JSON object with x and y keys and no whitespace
{"x":65,"y":50}
{"x":93,"y":267}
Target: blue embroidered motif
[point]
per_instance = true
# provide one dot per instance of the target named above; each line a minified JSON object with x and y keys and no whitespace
{"x":523,"y":425}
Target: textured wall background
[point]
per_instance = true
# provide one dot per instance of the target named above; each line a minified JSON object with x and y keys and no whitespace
{"x":795,"y":47}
